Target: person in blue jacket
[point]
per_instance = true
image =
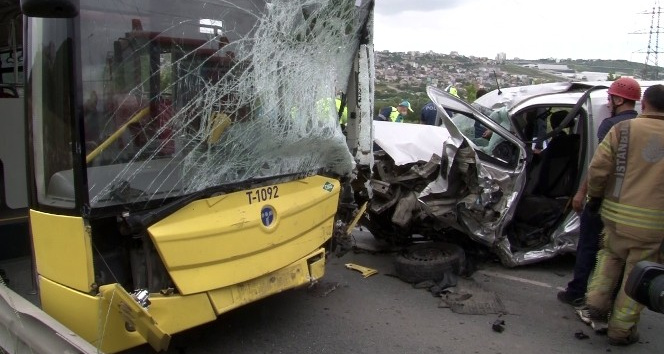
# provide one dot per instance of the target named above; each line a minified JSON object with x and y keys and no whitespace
{"x":428,"y":114}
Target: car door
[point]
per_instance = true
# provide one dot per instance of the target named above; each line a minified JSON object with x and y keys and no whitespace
{"x":482,"y":167}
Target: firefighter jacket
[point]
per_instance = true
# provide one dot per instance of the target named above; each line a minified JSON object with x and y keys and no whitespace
{"x":627,"y":171}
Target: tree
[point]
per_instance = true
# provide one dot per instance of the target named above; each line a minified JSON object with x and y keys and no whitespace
{"x":471,"y":92}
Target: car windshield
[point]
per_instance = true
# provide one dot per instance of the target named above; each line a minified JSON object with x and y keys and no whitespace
{"x":182,"y":95}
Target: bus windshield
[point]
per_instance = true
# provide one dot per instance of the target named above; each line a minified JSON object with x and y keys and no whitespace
{"x":179,"y":96}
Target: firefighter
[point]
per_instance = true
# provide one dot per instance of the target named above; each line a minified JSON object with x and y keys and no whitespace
{"x":622,"y":98}
{"x":626,"y":187}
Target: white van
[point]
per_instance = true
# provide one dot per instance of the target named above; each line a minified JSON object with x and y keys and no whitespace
{"x":454,"y":181}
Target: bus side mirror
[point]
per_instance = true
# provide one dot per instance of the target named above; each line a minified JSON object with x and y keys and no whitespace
{"x":50,"y":8}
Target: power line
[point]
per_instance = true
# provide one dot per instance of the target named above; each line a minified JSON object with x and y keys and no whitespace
{"x":651,"y":65}
{"x":651,"y":68}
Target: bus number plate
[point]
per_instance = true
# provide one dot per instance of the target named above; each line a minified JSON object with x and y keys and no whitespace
{"x":263,"y":194}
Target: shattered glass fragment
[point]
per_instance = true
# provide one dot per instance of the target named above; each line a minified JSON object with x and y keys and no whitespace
{"x":196,"y":94}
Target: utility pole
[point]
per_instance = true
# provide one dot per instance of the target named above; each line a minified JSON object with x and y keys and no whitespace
{"x":651,"y":67}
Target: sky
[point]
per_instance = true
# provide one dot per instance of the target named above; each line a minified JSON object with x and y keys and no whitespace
{"x":527,"y":29}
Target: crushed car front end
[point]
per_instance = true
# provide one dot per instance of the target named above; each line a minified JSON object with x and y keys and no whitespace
{"x":457,"y":183}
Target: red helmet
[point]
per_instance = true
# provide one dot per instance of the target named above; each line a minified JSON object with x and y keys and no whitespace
{"x":627,"y":88}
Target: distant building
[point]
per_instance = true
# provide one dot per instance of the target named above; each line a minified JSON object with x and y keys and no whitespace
{"x":592,"y":76}
{"x":557,"y":68}
{"x":501,"y":57}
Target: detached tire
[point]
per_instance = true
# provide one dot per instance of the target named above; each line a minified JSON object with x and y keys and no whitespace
{"x":429,"y":261}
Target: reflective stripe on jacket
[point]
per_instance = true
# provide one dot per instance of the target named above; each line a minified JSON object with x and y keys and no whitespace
{"x":627,"y":170}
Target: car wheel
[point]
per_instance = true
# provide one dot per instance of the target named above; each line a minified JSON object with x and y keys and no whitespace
{"x":429,"y":261}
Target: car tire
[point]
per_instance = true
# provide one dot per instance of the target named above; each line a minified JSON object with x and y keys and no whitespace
{"x":429,"y":261}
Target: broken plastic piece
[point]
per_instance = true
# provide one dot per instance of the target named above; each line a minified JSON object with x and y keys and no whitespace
{"x":498,"y":326}
{"x":366,"y":272}
{"x":581,"y":335}
{"x":357,"y":217}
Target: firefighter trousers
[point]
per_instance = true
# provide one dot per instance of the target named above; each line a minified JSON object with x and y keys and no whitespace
{"x":618,"y":256}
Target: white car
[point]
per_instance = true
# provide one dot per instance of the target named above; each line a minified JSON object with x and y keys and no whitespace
{"x":454,"y":182}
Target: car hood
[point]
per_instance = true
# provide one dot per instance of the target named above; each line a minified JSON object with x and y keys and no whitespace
{"x":408,"y":143}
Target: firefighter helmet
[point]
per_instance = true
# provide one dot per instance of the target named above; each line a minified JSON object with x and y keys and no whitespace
{"x":627,"y":88}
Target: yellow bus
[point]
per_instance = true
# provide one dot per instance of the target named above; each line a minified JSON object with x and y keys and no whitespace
{"x":171,"y":158}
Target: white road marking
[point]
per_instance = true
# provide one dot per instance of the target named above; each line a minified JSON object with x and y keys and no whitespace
{"x":521,"y":280}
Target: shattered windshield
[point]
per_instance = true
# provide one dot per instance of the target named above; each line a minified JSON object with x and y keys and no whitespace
{"x":183,"y":95}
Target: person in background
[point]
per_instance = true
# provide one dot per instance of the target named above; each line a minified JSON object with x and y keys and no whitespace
{"x":479,"y":128}
{"x":501,"y":117}
{"x":428,"y":114}
{"x":395,"y":114}
{"x":623,"y":94}
{"x":343,"y":114}
{"x":480,"y":92}
{"x":453,"y":91}
{"x":625,"y":184}
{"x":540,"y":133}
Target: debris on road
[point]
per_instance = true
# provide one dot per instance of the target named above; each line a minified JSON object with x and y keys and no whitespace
{"x":581,"y":335}
{"x":450,"y":299}
{"x":470,"y":298}
{"x":427,"y":284}
{"x":322,"y":289}
{"x":366,"y":272}
{"x":498,"y":326}
{"x":449,"y":280}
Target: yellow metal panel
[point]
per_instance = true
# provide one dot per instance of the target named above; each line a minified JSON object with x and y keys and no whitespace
{"x":223,"y":299}
{"x":286,"y":278}
{"x":135,"y":316}
{"x":178,"y":313}
{"x":86,"y":316}
{"x":62,"y":249}
{"x":317,"y":268}
{"x":222,"y":241}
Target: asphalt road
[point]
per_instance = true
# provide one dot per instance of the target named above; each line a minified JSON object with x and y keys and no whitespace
{"x":347,"y":313}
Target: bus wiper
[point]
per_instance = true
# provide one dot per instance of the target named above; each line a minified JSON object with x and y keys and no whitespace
{"x":139,"y":222}
{"x":123,"y":192}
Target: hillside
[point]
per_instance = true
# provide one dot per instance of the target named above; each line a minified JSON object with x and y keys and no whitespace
{"x":402,"y":76}
{"x":600,"y":65}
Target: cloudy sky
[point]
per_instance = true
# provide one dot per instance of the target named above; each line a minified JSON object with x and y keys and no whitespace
{"x":528,"y":29}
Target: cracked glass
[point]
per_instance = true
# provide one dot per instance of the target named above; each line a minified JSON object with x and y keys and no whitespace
{"x":179,"y":96}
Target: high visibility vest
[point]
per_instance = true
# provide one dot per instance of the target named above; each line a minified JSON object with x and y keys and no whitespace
{"x":393,"y":116}
{"x":344,"y":115}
